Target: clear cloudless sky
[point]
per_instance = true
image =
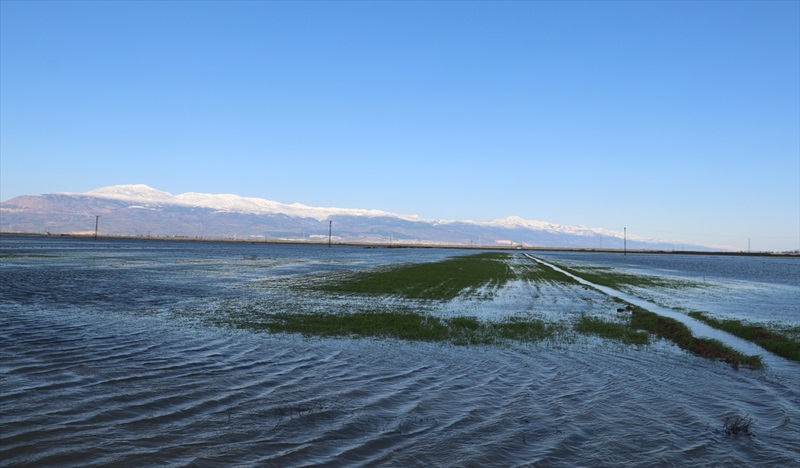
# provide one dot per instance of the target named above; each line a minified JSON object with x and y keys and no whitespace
{"x":676,"y":120}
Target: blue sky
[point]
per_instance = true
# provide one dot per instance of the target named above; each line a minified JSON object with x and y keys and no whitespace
{"x":677,"y":120}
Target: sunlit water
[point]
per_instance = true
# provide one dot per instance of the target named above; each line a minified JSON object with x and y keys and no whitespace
{"x":107,"y":358}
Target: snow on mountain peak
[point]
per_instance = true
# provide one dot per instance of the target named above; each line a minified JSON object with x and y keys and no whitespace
{"x":133,"y":192}
{"x":141,"y":193}
{"x":144,"y":194}
{"x":510,"y":227}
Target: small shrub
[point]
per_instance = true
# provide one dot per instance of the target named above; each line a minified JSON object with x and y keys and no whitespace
{"x":738,"y":425}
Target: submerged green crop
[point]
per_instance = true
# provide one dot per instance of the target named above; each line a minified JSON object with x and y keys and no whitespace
{"x":611,"y":330}
{"x":470,"y":276}
{"x":612,"y":278}
{"x":769,"y":340}
{"x":409,"y":326}
{"x":442,"y":280}
{"x":680,"y":334}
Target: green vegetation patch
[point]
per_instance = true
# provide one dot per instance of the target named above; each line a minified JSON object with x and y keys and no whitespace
{"x":623,"y":332}
{"x":680,"y":334}
{"x":537,"y":272}
{"x":407,"y":326}
{"x":789,"y":331}
{"x":403,"y":325}
{"x":524,"y":329}
{"x":442,"y":280}
{"x":615,"y":279}
{"x":767,"y":339}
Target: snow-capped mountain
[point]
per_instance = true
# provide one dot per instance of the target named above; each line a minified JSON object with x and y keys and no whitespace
{"x":227,"y":202}
{"x":145,"y":211}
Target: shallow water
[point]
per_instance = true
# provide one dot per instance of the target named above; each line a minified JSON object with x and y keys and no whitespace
{"x":758,"y":289}
{"x":107,"y":359}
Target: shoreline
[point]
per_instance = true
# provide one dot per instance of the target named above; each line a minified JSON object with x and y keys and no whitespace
{"x":394,"y":245}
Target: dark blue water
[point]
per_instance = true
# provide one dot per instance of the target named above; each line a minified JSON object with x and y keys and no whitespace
{"x":109,"y":356}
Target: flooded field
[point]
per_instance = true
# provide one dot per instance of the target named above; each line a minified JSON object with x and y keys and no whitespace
{"x":161,"y":353}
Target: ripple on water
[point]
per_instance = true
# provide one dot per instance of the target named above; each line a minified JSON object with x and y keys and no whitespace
{"x":103,"y":384}
{"x":205,"y":396}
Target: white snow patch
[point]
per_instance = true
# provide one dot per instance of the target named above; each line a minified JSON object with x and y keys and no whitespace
{"x":227,"y":202}
{"x":138,"y":193}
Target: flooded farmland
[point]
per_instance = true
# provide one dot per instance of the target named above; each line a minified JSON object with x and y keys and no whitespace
{"x":125,"y":352}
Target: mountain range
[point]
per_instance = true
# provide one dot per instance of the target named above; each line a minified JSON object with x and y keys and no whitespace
{"x":140,"y":210}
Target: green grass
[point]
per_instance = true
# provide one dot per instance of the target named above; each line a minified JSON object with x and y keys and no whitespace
{"x":789,"y":331}
{"x":407,"y":326}
{"x":611,"y":330}
{"x":611,"y":278}
{"x":442,"y":280}
{"x":525,"y":330}
{"x":767,"y":339}
{"x":468,"y":330}
{"x":26,"y":255}
{"x":465,"y":276}
{"x":680,"y":334}
{"x":536,"y":272}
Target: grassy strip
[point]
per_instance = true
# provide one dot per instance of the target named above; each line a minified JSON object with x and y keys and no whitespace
{"x":663,"y":327}
{"x":437,"y":281}
{"x":771,"y":341}
{"x":26,"y":255}
{"x":406,"y":326}
{"x":680,"y":334}
{"x":467,"y":330}
{"x":614,"y":279}
{"x":611,"y":330}
{"x":525,"y":330}
{"x":537,"y":272}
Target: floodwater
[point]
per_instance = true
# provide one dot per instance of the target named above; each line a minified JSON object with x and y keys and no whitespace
{"x":109,"y":356}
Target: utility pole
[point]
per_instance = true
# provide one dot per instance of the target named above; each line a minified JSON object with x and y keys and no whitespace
{"x":96,"y":223}
{"x":330,"y":229}
{"x":625,"y":241}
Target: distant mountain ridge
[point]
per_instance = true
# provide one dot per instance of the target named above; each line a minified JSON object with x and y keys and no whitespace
{"x":226,"y":202}
{"x":144,"y":211}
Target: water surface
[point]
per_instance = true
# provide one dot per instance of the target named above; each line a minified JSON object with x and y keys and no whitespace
{"x":108,"y":358}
